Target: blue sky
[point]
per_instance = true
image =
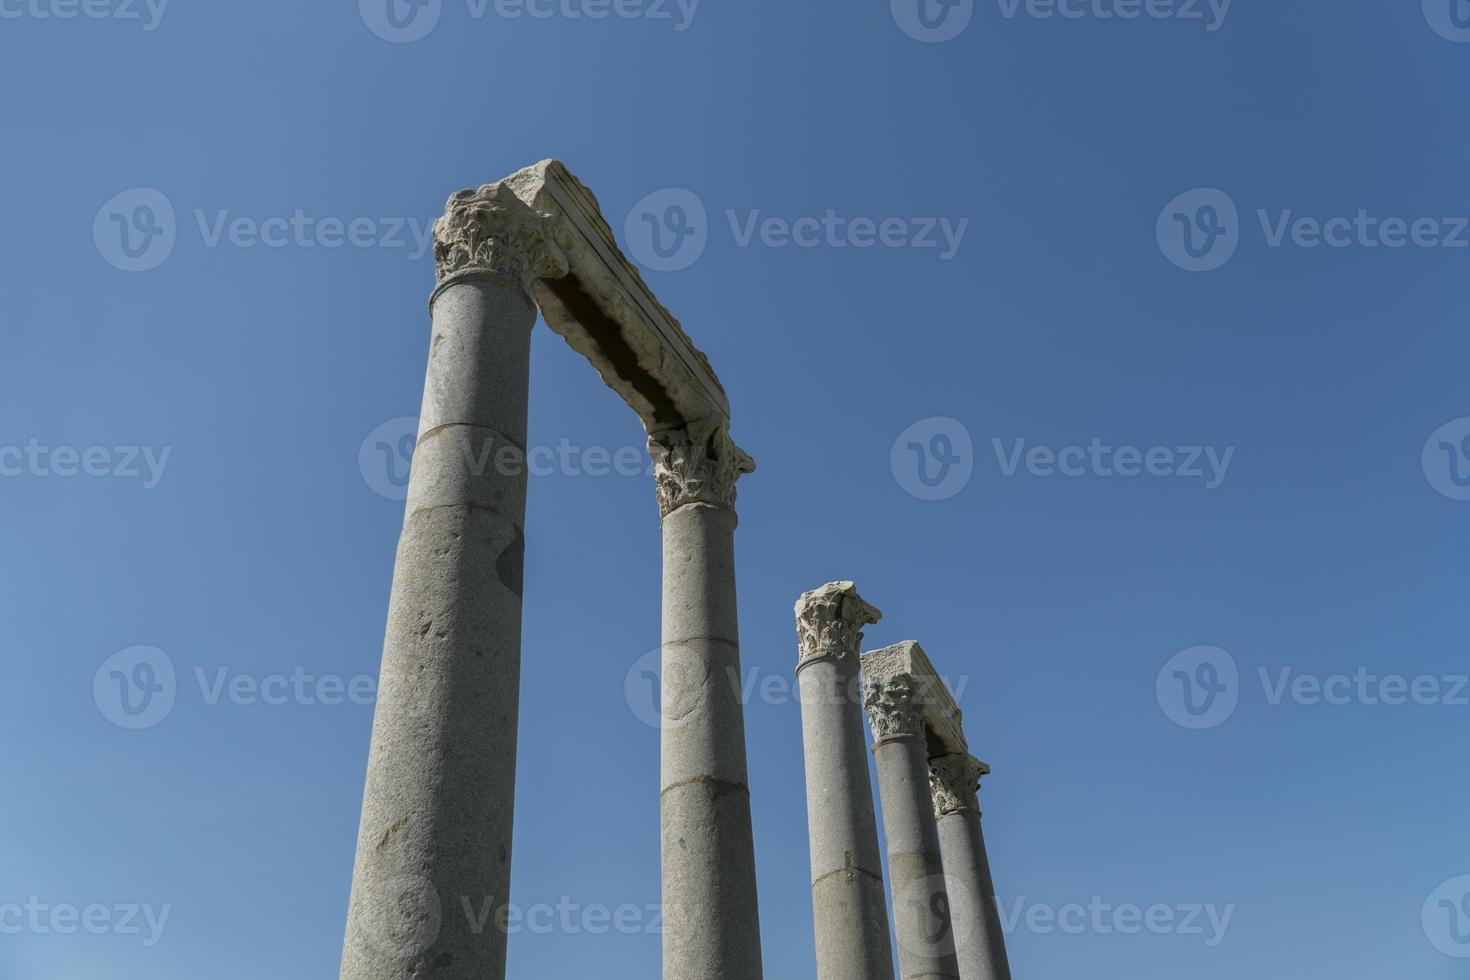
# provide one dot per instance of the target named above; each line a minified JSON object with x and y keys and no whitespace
{"x":1182,"y":678}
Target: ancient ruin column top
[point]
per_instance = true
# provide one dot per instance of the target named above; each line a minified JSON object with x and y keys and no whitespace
{"x":490,"y":230}
{"x":829,"y":623}
{"x":954,"y":782}
{"x":906,"y":697}
{"x":605,"y":310}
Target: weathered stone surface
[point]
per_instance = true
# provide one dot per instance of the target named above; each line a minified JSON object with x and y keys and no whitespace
{"x":848,"y":906}
{"x":438,"y":804}
{"x":954,"y":781}
{"x":609,"y":315}
{"x":829,"y":622}
{"x":696,"y":463}
{"x":979,"y":941}
{"x":711,"y":924}
{"x":911,"y":713}
{"x":490,"y":228}
{"x":938,"y":714}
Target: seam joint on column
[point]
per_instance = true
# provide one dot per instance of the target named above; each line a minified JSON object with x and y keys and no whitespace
{"x":464,"y":506}
{"x":474,"y":273}
{"x":697,"y":638}
{"x":843,"y":871}
{"x":471,"y":425}
{"x":710,"y":780}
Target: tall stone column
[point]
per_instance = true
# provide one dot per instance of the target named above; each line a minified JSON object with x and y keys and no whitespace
{"x":920,"y":903}
{"x":433,"y":851}
{"x":711,"y":926}
{"x":981,"y":945}
{"x":848,"y":905}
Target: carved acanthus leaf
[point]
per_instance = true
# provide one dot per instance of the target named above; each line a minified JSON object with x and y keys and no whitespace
{"x":830,"y":620}
{"x":954,"y":783}
{"x":890,"y":706}
{"x":490,"y":228}
{"x":696,"y":463}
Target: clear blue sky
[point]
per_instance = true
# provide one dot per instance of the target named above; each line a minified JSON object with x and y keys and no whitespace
{"x":1333,"y":543}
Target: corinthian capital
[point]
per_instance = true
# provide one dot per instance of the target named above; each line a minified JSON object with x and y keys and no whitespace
{"x":696,"y":463}
{"x":490,"y":228}
{"x":829,"y":623}
{"x":954,"y":783}
{"x":890,"y":705}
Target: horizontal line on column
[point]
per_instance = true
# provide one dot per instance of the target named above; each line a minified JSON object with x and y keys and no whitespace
{"x":842,"y":871}
{"x":466,"y":506}
{"x":702,"y":639}
{"x":472,"y":425}
{"x":710,"y":780}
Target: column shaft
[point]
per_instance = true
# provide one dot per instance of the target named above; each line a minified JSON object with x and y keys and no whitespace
{"x":920,"y":904}
{"x":848,"y":904}
{"x":711,"y":925}
{"x":433,"y":854}
{"x":980,"y":942}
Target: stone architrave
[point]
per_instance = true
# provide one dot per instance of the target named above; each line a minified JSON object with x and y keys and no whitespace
{"x":437,"y":809}
{"x":912,"y":715}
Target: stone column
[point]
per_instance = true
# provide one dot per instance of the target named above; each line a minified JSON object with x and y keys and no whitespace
{"x":711,"y":927}
{"x":981,"y":945}
{"x":433,"y":849}
{"x":920,"y":903}
{"x":848,"y":905}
